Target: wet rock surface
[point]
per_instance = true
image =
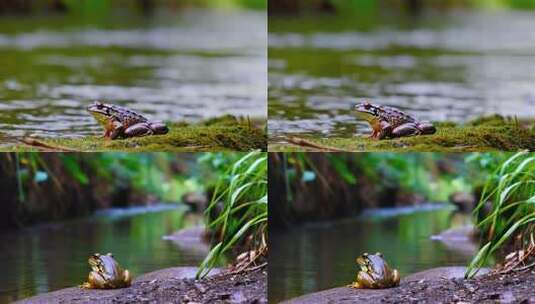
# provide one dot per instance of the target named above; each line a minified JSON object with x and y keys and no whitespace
{"x":438,"y":285}
{"x":172,"y":285}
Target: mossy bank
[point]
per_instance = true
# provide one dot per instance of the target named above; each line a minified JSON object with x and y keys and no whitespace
{"x":224,"y":133}
{"x":484,"y":134}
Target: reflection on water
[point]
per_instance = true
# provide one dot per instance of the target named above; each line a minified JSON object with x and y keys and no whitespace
{"x":189,"y":66}
{"x":54,"y":256}
{"x":322,"y":256}
{"x":452,"y":67}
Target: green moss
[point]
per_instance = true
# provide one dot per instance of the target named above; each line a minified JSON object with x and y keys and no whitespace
{"x":484,"y":134}
{"x":224,"y":133}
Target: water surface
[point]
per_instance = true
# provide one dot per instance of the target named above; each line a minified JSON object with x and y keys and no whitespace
{"x":54,"y":256}
{"x":185,"y":66}
{"x":322,"y":256}
{"x":442,"y":67}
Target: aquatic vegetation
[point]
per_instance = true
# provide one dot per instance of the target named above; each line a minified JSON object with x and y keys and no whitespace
{"x":241,"y":196}
{"x":509,"y":192}
{"x":484,"y":134}
{"x":224,"y":133}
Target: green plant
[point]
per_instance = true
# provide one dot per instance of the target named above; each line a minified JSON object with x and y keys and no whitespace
{"x":510,"y":192}
{"x":241,"y":194}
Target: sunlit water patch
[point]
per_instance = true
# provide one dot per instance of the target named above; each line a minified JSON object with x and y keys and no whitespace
{"x":463,"y":66}
{"x":186,"y":67}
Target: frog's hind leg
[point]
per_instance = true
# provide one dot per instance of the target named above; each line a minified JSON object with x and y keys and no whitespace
{"x":427,"y":128}
{"x":395,"y":277}
{"x":127,"y":279}
{"x":139,"y":129}
{"x":159,"y":128}
{"x":407,"y":129}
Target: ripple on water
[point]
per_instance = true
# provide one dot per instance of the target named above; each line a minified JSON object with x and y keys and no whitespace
{"x":196,"y":66}
{"x":471,"y":65}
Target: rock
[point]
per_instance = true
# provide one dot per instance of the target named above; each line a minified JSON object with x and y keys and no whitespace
{"x":197,"y":201}
{"x":464,"y":201}
{"x":366,"y":296}
{"x":191,"y":239}
{"x":79,"y":295}
{"x":460,"y":240}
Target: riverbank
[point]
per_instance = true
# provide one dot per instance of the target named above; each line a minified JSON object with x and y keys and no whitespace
{"x":514,"y":287}
{"x":224,"y":133}
{"x":171,"y":285}
{"x":438,"y":285}
{"x":484,"y":134}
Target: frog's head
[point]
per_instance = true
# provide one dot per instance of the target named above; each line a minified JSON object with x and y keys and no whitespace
{"x":95,"y":262}
{"x":367,"y":111}
{"x":371,"y":263}
{"x":101,"y":111}
{"x":103,"y":263}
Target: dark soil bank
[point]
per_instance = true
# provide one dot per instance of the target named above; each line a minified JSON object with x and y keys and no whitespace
{"x":247,"y":287}
{"x":493,"y":288}
{"x":440,"y":285}
{"x":173,"y":285}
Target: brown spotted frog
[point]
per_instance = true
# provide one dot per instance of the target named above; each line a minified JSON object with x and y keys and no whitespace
{"x":106,"y":273}
{"x":388,"y":122}
{"x":120,"y":122}
{"x":375,"y":273}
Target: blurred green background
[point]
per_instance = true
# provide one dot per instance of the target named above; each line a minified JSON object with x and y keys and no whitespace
{"x":362,"y":7}
{"x":102,"y":7}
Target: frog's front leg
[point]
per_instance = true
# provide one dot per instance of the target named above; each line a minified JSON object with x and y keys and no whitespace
{"x":116,"y":130}
{"x":406,"y":129}
{"x":139,"y":129}
{"x":426,"y":127}
{"x":385,"y":130}
{"x":364,"y":280}
{"x":95,"y":280}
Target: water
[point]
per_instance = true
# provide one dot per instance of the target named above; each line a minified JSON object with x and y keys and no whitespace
{"x":54,"y":256}
{"x":449,"y":67}
{"x":322,"y":256}
{"x":187,"y":66}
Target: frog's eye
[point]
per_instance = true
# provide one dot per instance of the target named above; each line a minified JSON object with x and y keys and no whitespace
{"x":367,"y":105}
{"x":99,"y":105}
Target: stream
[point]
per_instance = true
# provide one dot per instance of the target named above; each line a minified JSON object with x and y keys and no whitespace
{"x":455,"y":66}
{"x":54,"y":256}
{"x":322,"y":255}
{"x":184,"y":66}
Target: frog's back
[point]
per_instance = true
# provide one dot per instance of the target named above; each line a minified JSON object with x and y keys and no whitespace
{"x":126,"y":116}
{"x":394,"y":116}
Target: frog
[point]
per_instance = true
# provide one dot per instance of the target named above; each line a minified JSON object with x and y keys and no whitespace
{"x":121,"y":122}
{"x":375,"y":273}
{"x":106,"y":273}
{"x":389,"y":122}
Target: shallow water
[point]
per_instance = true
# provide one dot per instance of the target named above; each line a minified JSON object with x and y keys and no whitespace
{"x":54,"y":256}
{"x":449,"y":67}
{"x":185,"y":66}
{"x":322,"y":256}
